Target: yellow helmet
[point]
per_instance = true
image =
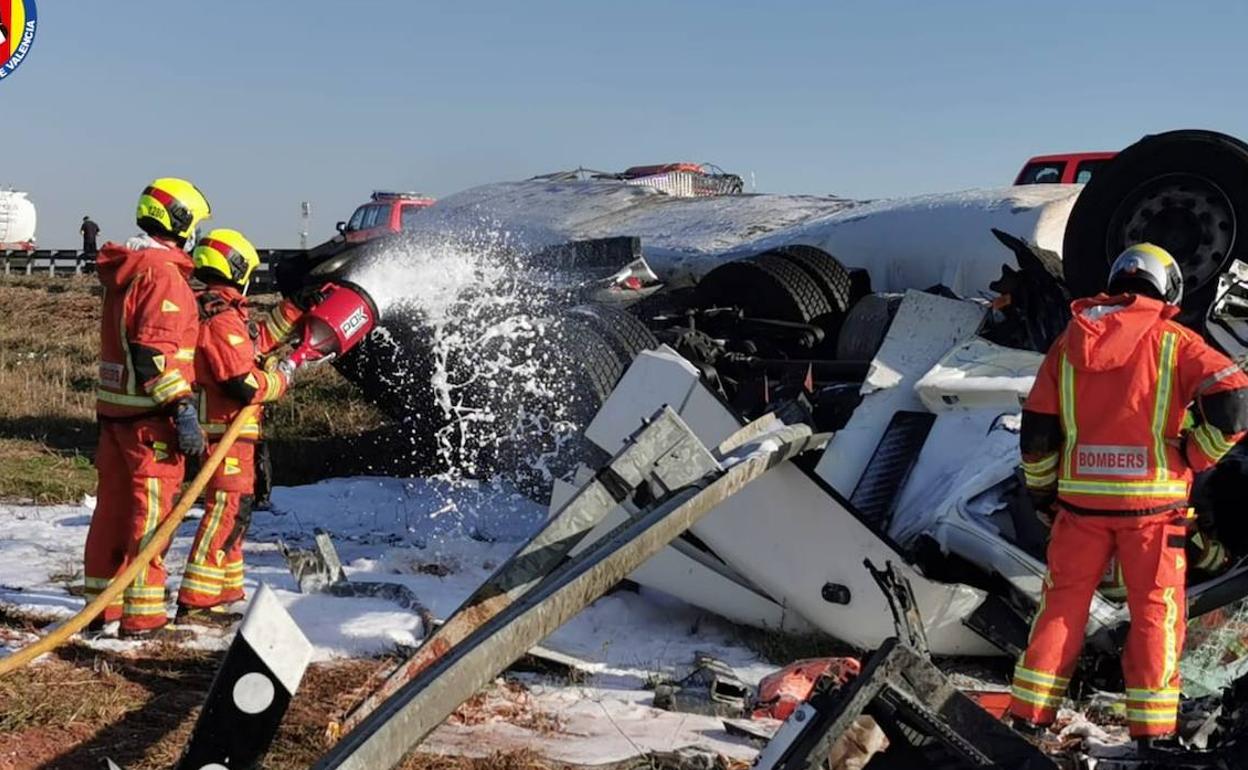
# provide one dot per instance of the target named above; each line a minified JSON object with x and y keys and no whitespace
{"x":226,"y":254}
{"x":172,"y":206}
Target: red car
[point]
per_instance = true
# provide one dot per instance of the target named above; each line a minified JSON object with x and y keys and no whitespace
{"x":1067,"y":168}
{"x":385,"y":213}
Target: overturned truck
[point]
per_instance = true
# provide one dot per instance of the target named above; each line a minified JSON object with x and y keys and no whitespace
{"x":909,"y":329}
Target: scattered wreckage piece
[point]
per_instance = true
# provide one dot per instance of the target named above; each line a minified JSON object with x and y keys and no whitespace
{"x":712,"y":689}
{"x":659,"y":459}
{"x":253,"y":688}
{"x":799,"y":562}
{"x":780,"y":693}
{"x":402,"y":721}
{"x":905,"y":692}
{"x":319,"y":570}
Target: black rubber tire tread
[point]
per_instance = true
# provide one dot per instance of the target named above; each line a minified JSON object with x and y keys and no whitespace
{"x":393,"y":370}
{"x":626,"y":334}
{"x":865,"y":326}
{"x":827,"y":270}
{"x":765,"y":286}
{"x":589,"y":356}
{"x":1087,"y":250}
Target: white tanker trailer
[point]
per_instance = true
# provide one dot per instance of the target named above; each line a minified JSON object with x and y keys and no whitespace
{"x":17,"y":222}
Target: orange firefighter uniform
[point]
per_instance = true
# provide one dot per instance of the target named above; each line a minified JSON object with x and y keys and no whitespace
{"x":229,"y":378}
{"x":1103,"y":443}
{"x":147,"y":347}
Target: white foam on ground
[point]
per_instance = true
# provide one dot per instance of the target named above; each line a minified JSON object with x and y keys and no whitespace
{"x":396,"y":530}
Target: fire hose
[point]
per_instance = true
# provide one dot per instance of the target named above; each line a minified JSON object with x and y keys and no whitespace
{"x":160,"y":539}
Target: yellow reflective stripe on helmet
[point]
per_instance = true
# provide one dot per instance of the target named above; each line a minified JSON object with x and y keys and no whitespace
{"x":1161,"y":403}
{"x":1125,"y":488}
{"x":165,"y":197}
{"x":123,"y":400}
{"x":1066,"y":395}
{"x":227,"y":253}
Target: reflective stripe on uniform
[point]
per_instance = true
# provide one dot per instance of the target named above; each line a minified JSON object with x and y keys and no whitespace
{"x":1124,"y":488}
{"x":145,"y":592}
{"x":142,"y":610}
{"x":1170,"y":656}
{"x":1211,"y":441}
{"x":185,"y":354}
{"x":210,"y":530}
{"x":122,"y":399}
{"x":277,"y":324}
{"x":200,"y":587}
{"x":170,"y":385}
{"x":1153,"y":707}
{"x":252,"y":428}
{"x":1039,"y":677}
{"x":1066,"y":395}
{"x":1215,"y":378}
{"x":1041,"y":473}
{"x":204,"y":571}
{"x":1166,"y":357}
{"x":273,"y":386}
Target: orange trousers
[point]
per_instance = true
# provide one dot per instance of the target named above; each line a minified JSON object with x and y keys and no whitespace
{"x":139,"y":471}
{"x":1152,"y":553}
{"x":214,"y":567}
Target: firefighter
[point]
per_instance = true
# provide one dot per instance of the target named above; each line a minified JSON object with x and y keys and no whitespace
{"x":229,"y":376}
{"x":1109,"y":465}
{"x":147,"y":417}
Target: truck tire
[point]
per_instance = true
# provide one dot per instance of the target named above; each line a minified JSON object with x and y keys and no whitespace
{"x":765,"y":286}
{"x":827,"y":271}
{"x":582,"y":365}
{"x":1186,"y":191}
{"x":865,"y":326}
{"x":623,"y":331}
{"x":393,"y":367}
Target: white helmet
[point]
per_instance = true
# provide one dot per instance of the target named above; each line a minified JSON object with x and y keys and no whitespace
{"x":1147,"y":265}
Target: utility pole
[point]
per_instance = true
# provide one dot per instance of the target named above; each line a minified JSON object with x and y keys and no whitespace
{"x":305,"y":216}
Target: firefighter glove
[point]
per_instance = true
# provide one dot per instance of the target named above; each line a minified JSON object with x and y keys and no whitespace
{"x":311,"y":296}
{"x":190,"y":436}
{"x":287,"y":368}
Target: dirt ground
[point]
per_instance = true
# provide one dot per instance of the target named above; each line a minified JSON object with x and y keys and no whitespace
{"x":73,"y":711}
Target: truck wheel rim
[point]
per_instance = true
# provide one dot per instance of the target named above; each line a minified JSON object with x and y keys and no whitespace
{"x":1187,"y":215}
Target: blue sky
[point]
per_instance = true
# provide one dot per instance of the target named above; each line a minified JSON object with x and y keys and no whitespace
{"x":265,"y":104}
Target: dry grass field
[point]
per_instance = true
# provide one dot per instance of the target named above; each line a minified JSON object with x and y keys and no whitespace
{"x":48,"y":342}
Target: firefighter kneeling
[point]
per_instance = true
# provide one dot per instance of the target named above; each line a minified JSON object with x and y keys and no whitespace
{"x":229,"y":377}
{"x":1110,"y":466}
